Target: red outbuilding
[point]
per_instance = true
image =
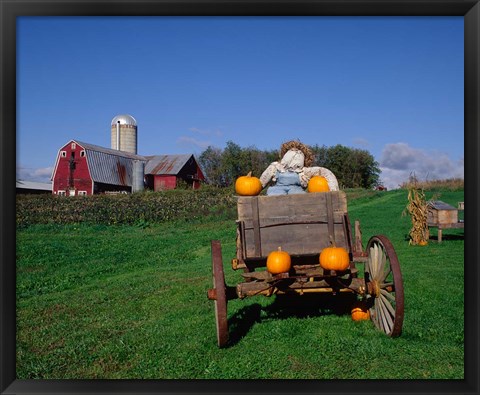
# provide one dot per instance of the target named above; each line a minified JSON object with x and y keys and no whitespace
{"x":164,"y":171}
{"x":87,"y":169}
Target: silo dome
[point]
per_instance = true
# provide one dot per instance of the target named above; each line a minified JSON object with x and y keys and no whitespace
{"x":124,"y":119}
{"x":124,"y":133}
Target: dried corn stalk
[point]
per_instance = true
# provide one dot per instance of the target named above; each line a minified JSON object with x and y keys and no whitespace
{"x":418,"y":210}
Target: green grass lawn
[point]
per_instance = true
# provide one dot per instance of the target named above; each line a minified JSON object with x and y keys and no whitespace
{"x":130,"y":302}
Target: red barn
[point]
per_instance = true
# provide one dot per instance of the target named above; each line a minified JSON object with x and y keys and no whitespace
{"x":163,"y":171}
{"x":86,"y":169}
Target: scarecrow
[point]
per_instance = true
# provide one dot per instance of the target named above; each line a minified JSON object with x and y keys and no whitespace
{"x":291,"y":174}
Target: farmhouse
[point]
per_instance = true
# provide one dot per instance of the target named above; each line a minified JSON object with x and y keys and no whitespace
{"x":87,"y":169}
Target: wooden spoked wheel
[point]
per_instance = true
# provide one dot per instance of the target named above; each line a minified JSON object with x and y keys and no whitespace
{"x":220,"y":294}
{"x":384,"y":286}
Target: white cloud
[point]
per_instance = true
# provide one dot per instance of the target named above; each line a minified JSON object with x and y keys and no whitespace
{"x":197,"y":130}
{"x":361,"y":142}
{"x":399,"y":161}
{"x":201,"y":138}
{"x":42,"y":174}
{"x":185,"y":140}
{"x":207,"y":132}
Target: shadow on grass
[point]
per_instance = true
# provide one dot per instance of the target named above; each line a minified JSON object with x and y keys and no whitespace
{"x":446,"y":237}
{"x":286,"y":306}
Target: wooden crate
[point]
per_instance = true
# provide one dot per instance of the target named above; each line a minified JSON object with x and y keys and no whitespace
{"x":301,"y":224}
{"x":441,"y":214}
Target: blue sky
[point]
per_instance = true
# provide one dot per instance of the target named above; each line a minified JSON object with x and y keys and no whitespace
{"x":390,"y":85}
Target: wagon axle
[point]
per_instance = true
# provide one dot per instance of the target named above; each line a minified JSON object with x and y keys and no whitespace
{"x":230,"y":293}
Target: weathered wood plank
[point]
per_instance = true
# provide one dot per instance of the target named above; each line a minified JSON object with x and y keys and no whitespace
{"x":296,"y":239}
{"x":300,"y":224}
{"x":291,"y":205}
{"x":358,"y":237}
{"x":249,"y":223}
{"x":263,"y":288}
{"x":329,"y":207}
{"x":256,"y":226}
{"x":298,"y":272}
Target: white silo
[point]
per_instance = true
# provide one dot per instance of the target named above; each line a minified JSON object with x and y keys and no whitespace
{"x":124,"y":133}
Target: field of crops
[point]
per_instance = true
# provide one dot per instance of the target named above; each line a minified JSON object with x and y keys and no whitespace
{"x":129,"y":301}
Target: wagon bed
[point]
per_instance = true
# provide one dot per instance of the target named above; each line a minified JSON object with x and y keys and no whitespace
{"x":301,"y":224}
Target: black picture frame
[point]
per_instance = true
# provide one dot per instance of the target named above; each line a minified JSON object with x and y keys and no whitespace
{"x":10,"y":10}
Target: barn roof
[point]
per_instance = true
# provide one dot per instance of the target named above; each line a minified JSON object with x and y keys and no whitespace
{"x":167,"y":164}
{"x":439,"y":205}
{"x":108,"y":151}
{"x":40,"y":186}
{"x":109,"y":166}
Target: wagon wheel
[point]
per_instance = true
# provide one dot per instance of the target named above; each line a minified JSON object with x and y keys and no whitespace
{"x":220,"y":294}
{"x":384,"y":284}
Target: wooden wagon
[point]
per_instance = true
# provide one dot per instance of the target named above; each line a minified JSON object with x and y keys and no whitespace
{"x":303,"y":225}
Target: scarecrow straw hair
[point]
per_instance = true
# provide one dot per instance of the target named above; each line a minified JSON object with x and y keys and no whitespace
{"x":299,"y":146}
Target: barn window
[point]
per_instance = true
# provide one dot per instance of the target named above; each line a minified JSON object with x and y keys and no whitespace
{"x":82,"y":193}
{"x":61,"y":193}
{"x":63,"y":154}
{"x":74,"y":145}
{"x":82,"y":154}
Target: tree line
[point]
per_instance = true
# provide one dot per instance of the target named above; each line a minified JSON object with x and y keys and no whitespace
{"x":354,"y":168}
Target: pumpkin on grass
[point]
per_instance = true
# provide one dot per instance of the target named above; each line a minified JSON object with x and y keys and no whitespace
{"x":334,"y":258}
{"x":318,"y":184}
{"x":360,"y":312}
{"x":279,"y":261}
{"x":248,"y":185}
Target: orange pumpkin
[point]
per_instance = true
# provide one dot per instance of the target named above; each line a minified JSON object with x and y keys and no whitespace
{"x":334,"y":258}
{"x":318,"y":184}
{"x":423,"y":243}
{"x":360,"y":312}
{"x":248,"y":185}
{"x":279,"y":261}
